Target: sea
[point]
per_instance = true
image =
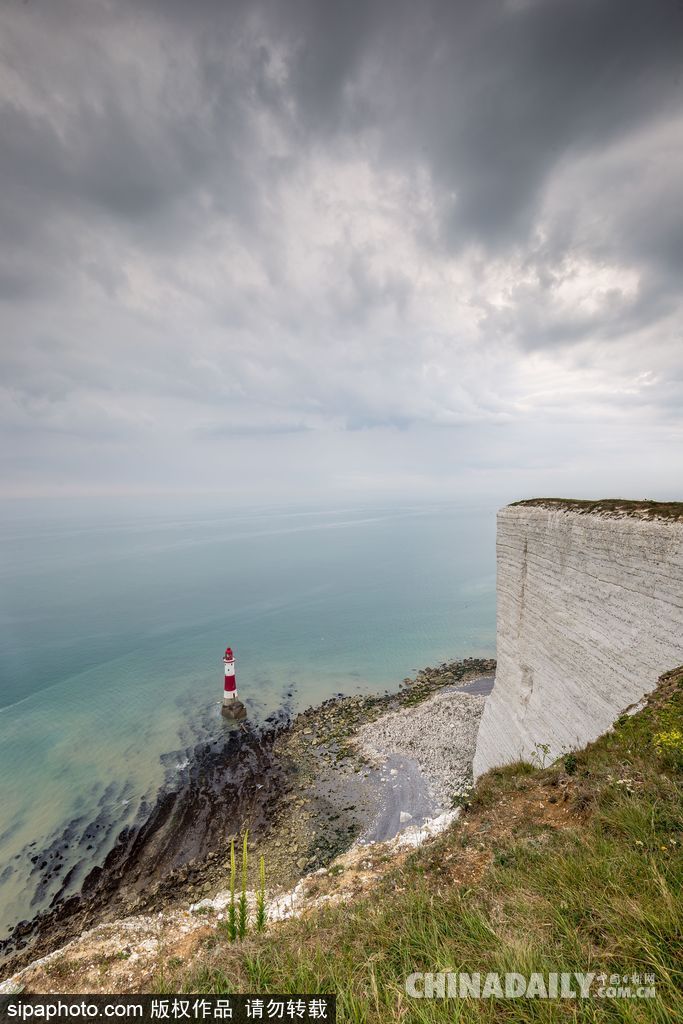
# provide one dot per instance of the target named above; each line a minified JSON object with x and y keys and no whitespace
{"x":114,"y":616}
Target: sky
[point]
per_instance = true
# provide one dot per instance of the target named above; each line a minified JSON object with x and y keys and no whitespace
{"x":370,"y":249}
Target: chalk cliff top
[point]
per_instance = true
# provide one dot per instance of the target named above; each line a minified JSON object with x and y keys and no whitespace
{"x":614,"y":507}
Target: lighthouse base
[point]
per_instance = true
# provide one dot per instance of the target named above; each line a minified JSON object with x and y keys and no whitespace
{"x":233,"y":709}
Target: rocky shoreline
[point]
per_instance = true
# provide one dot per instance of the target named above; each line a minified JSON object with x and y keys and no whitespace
{"x":305,"y":788}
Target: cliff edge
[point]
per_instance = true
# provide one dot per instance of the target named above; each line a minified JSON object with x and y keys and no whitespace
{"x":590,"y":612}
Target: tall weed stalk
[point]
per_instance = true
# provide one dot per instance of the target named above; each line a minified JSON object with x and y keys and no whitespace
{"x":232,"y":911}
{"x":242,"y":909}
{"x":261,"y":897}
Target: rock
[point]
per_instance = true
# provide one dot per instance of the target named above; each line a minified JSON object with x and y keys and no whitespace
{"x":589,"y":616}
{"x":234,"y":710}
{"x":404,"y":816}
{"x":11,"y":988}
{"x":439,"y":734}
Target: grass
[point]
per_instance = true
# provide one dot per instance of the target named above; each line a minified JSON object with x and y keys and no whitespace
{"x":611,"y":506}
{"x":546,"y":870}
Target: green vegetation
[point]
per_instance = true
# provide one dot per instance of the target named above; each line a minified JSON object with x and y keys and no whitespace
{"x":541,"y":754}
{"x":646,"y":509}
{"x":232,"y":910}
{"x":566,"y":868}
{"x":242,"y":913}
{"x":261,"y":897}
{"x":236,"y":924}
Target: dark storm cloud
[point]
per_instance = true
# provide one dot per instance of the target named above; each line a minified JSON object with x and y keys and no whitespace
{"x":537,"y":83}
{"x":489,"y":96}
{"x":282,"y":216}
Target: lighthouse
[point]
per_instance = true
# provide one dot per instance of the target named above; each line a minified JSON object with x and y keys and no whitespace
{"x":232,"y":706}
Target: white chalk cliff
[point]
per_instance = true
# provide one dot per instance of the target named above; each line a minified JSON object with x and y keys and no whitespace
{"x":590,"y":613}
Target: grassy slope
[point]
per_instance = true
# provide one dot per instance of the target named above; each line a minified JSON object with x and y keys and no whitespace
{"x":547,"y":870}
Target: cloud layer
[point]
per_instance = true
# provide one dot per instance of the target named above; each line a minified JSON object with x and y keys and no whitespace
{"x":362,"y":246}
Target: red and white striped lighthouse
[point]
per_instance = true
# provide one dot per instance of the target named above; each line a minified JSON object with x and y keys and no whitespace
{"x":230,"y":688}
{"x":232,"y":706}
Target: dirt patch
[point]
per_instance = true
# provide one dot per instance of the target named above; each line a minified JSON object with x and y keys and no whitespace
{"x":511,"y":805}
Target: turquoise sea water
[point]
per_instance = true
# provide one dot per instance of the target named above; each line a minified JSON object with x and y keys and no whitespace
{"x":114,"y":618}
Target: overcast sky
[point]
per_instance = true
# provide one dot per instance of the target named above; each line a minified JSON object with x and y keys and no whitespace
{"x":327,"y":248}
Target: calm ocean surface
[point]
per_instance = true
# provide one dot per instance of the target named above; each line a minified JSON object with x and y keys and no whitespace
{"x":113,"y":621}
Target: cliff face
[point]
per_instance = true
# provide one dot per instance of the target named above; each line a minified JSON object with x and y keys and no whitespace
{"x":590,"y":613}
